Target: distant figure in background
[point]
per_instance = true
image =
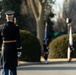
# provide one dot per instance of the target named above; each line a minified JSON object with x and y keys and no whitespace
{"x":71,"y":52}
{"x":45,"y":52}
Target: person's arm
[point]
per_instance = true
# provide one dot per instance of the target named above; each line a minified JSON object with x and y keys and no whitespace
{"x":18,"y":42}
{"x":1,"y":26}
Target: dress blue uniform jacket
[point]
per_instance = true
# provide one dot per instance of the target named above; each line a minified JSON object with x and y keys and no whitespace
{"x":9,"y":31}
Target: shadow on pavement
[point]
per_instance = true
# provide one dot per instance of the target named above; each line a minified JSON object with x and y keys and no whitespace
{"x":50,"y":66}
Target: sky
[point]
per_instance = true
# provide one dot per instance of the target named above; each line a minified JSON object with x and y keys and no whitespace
{"x":0,"y":0}
{"x":58,"y":7}
{"x":59,"y":1}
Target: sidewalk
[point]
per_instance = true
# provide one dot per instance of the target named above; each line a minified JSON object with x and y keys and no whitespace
{"x":49,"y":60}
{"x":42,"y":61}
{"x":59,"y":59}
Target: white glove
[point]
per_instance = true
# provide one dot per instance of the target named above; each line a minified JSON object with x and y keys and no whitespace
{"x":19,"y":54}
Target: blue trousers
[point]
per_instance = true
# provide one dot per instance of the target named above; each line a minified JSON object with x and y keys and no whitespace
{"x":6,"y":71}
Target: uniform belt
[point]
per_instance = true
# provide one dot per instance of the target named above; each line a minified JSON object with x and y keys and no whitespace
{"x":9,"y":41}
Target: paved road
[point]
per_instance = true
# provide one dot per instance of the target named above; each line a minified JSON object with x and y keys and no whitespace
{"x":52,"y":68}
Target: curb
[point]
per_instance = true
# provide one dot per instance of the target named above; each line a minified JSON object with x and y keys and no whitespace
{"x":49,"y":61}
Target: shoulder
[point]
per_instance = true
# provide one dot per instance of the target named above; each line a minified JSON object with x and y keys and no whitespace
{"x":17,"y":26}
{"x":2,"y":25}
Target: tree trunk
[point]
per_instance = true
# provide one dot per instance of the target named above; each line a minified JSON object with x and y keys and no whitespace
{"x":40,"y":31}
{"x":39,"y":16}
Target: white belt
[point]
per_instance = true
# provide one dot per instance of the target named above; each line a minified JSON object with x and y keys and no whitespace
{"x":9,"y":41}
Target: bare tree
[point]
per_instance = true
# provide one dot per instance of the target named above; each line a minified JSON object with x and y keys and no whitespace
{"x":60,"y":24}
{"x":69,"y":11}
{"x":38,"y":11}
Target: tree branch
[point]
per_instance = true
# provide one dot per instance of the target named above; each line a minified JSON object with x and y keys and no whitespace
{"x":34,"y":8}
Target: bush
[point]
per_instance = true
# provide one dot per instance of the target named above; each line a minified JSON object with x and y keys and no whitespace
{"x":31,"y":47}
{"x":58,"y":47}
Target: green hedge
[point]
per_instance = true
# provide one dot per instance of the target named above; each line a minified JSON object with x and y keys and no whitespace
{"x":58,"y":47}
{"x":31,"y":47}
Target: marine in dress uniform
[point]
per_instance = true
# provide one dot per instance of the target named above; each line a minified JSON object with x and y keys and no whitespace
{"x":11,"y":45}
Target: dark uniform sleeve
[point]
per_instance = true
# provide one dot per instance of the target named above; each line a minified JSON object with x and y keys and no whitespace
{"x":18,"y":40}
{"x":1,"y":28}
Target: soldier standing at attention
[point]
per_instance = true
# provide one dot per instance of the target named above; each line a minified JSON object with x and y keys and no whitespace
{"x":11,"y":45}
{"x":45,"y":44}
